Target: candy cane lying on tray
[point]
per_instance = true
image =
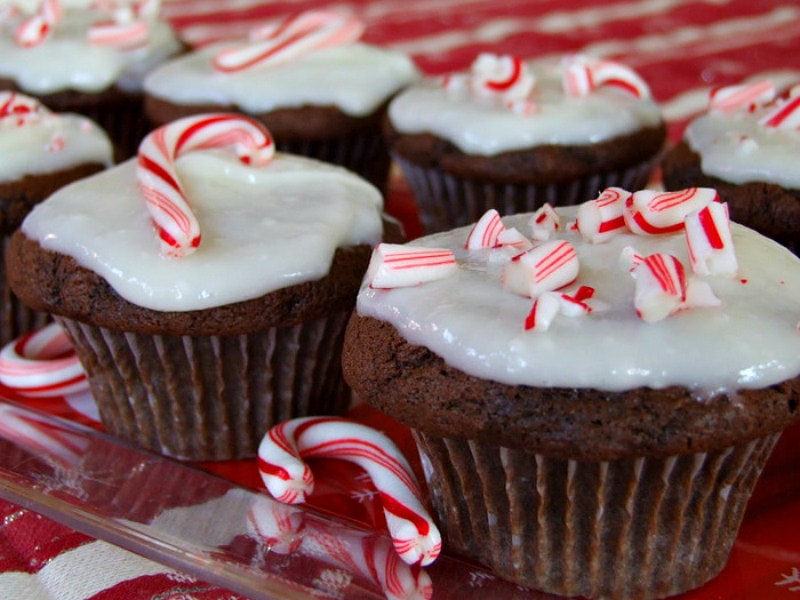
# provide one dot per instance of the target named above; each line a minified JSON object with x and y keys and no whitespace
{"x":289,"y":479}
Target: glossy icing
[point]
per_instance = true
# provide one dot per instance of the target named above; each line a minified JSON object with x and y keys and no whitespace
{"x":357,"y":78}
{"x":264,"y":228}
{"x":67,"y":61}
{"x":750,"y":340}
{"x":483,"y":126}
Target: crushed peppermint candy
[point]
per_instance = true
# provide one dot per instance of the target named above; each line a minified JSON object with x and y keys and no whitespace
{"x":399,"y":265}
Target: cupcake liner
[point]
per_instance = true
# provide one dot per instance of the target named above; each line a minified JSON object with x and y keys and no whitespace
{"x":211,"y":397}
{"x":629,"y":528}
{"x":445,"y":201}
{"x":16,"y":319}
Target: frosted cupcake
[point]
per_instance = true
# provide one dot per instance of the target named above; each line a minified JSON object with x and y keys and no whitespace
{"x":746,"y":146}
{"x":609,"y":381}
{"x":87,"y":60}
{"x":40,"y":152}
{"x":320,"y":91}
{"x":513,"y":134}
{"x":206,"y":293}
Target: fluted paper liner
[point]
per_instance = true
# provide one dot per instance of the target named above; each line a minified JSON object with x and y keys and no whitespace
{"x":445,"y":201}
{"x":630,"y":528}
{"x":211,"y":397}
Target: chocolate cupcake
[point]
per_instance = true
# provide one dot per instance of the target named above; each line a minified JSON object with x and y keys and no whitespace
{"x":40,"y":152}
{"x":594,"y":407}
{"x":513,"y":135}
{"x":87,"y":60}
{"x":320,"y":92}
{"x":745,"y":146}
{"x":196,"y":340}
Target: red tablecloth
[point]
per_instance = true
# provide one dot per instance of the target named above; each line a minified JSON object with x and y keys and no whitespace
{"x":683,"y":48}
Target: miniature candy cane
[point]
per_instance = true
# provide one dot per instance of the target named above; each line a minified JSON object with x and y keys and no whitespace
{"x":399,"y":265}
{"x":708,"y":236}
{"x":507,"y":77}
{"x":601,"y":219}
{"x":584,"y":74}
{"x":42,"y":364}
{"x":289,"y":479}
{"x":549,"y":266}
{"x":649,"y":212}
{"x":544,"y":222}
{"x":158,"y":179}
{"x":744,"y":96}
{"x":117,"y":34}
{"x":296,"y":36}
{"x":786,"y":115}
{"x":37,"y":28}
{"x":486,"y":231}
{"x":660,"y":287}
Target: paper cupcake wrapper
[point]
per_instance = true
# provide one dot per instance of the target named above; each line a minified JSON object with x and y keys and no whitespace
{"x":445,"y":201}
{"x":211,"y":397}
{"x":630,"y":528}
{"x":16,"y":319}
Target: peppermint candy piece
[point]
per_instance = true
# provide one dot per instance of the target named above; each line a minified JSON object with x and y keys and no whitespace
{"x":37,"y":28}
{"x":745,"y":96}
{"x":710,"y":242}
{"x":786,"y":115}
{"x":507,"y":77}
{"x":122,"y":35}
{"x":584,"y":74}
{"x":546,"y":267}
{"x":42,"y":364}
{"x":158,"y":179}
{"x":601,"y":219}
{"x":19,"y":109}
{"x":289,"y":479}
{"x":660,"y":287}
{"x":289,"y":40}
{"x":649,"y":212}
{"x":550,"y":304}
{"x":486,"y":231}
{"x":400,"y":265}
{"x":544,"y":222}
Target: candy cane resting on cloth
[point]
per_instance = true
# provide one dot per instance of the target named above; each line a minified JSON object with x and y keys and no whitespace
{"x":158,"y":179}
{"x":289,"y":479}
{"x":294,"y":37}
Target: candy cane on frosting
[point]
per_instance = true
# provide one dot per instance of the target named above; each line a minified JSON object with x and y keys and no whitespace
{"x":42,"y":364}
{"x":506,"y":76}
{"x":37,"y":28}
{"x":710,"y":243}
{"x":289,"y":479}
{"x":744,"y":96}
{"x":546,"y":267}
{"x":601,"y":219}
{"x":400,"y":265}
{"x":19,"y":109}
{"x":583,"y":74}
{"x":786,"y":115}
{"x":294,"y":37}
{"x":119,"y":34}
{"x":649,"y":212}
{"x":158,"y":179}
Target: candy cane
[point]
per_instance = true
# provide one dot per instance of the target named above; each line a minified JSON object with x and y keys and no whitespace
{"x":296,"y":36}
{"x":119,"y":34}
{"x":37,"y":28}
{"x":601,"y":219}
{"x":648,"y":212}
{"x":280,"y":526}
{"x":784,"y":116}
{"x":505,"y":76}
{"x":399,"y":265}
{"x":544,"y":222}
{"x":736,"y":97}
{"x":158,"y":179}
{"x":289,"y":479}
{"x":546,"y":267}
{"x":660,"y":287}
{"x":710,"y":243}
{"x":582,"y":75}
{"x":486,"y":231}
{"x":42,"y":364}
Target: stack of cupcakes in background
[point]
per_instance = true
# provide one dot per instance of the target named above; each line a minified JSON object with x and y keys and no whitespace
{"x":320,"y":91}
{"x":40,"y":152}
{"x":87,"y":59}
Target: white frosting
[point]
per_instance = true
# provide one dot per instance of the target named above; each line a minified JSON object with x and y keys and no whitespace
{"x":262,"y":228}
{"x":51,"y":143}
{"x":735,"y":148}
{"x":67,"y":61}
{"x":750,"y":341}
{"x":357,"y":78}
{"x":485,"y":127}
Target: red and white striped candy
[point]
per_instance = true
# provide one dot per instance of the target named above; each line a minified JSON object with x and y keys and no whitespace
{"x":158,"y":179}
{"x":546,"y":267}
{"x":550,"y":304}
{"x":708,"y":236}
{"x":583,"y":74}
{"x":42,"y":364}
{"x":513,"y":240}
{"x":294,"y":37}
{"x":648,"y":212}
{"x":507,"y":77}
{"x":19,"y":109}
{"x":400,"y":265}
{"x":660,"y":287}
{"x":786,"y":115}
{"x":119,"y":34}
{"x":278,"y":525}
{"x":486,"y":231}
{"x":37,"y":28}
{"x":744,"y":96}
{"x":544,"y":222}
{"x":45,"y":440}
{"x":601,"y":219}
{"x":288,"y":478}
